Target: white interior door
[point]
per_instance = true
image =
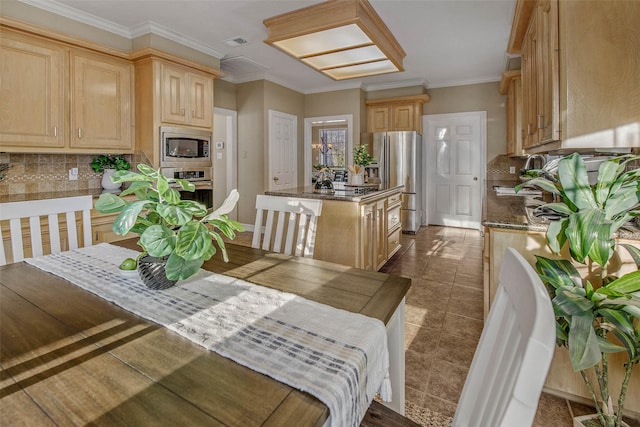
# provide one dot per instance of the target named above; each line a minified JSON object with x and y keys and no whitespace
{"x":282,"y":150}
{"x":225,"y":163}
{"x":455,"y":168}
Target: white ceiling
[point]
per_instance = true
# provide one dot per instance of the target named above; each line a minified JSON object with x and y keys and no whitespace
{"x":448,"y":42}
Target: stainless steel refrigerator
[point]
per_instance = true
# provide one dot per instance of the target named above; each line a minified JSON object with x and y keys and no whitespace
{"x":399,"y":157}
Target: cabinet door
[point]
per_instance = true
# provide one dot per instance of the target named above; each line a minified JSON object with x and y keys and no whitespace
{"x":548,"y":119}
{"x":530,"y":86}
{"x":100,"y":103}
{"x":31,"y":94}
{"x":367,"y":233}
{"x":514,"y":118}
{"x":378,"y":119}
{"x":174,"y":95}
{"x":380,"y":234}
{"x":403,"y":117}
{"x":200,"y":101}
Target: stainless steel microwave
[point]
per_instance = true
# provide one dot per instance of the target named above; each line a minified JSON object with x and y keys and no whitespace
{"x":184,"y":147}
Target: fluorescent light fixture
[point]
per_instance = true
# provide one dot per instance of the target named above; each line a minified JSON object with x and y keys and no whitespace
{"x":343,"y":39}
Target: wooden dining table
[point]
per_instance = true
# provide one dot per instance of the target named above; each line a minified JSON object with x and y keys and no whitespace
{"x":68,"y":357}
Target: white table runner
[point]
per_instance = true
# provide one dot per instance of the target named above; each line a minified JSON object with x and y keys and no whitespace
{"x":337,"y":356}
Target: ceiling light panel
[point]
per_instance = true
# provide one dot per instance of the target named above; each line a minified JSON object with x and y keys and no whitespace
{"x":341,"y":38}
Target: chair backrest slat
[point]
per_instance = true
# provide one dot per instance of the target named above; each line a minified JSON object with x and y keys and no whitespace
{"x":34,"y":210}
{"x":295,"y":222}
{"x":514,"y":353}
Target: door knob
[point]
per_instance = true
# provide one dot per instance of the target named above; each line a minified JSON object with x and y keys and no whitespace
{"x":475,"y":178}
{"x":275,"y":178}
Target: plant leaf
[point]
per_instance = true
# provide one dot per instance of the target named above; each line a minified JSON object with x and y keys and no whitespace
{"x":127,"y":218}
{"x":634,"y":251}
{"x":148,"y":171}
{"x":109,"y":203}
{"x":178,"y":268}
{"x":583,"y":229}
{"x":572,"y":174}
{"x":193,"y":241}
{"x":157,"y":240}
{"x":584,"y":350}
{"x":226,"y":207}
{"x":626,"y":284}
{"x":173,"y":214}
{"x":560,"y":272}
{"x":185,"y":185}
{"x":556,"y":234}
{"x":607,"y":175}
{"x":543,"y":183}
{"x":624,"y":199}
{"x":569,"y":302}
{"x":136,"y":188}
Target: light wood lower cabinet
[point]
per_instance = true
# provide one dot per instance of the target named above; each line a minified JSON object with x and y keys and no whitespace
{"x":561,"y":380}
{"x":362,"y":235}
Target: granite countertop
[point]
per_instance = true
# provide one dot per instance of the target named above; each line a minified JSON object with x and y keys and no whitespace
{"x":346,"y":194}
{"x":95,"y":192}
{"x":510,"y":212}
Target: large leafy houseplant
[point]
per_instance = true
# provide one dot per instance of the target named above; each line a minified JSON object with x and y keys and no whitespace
{"x":599,"y":314}
{"x":183,"y":230}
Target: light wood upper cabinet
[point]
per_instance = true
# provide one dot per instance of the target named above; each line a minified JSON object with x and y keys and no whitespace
{"x":56,"y":98}
{"x":100,"y":102}
{"x":576,"y":84}
{"x":187,"y":97}
{"x":32,"y":93}
{"x":511,"y":85}
{"x":395,"y":114}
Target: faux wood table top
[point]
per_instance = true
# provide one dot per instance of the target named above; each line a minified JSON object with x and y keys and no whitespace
{"x":67,"y":357}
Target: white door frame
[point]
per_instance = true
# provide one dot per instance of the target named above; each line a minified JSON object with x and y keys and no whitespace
{"x":294,"y":148}
{"x":426,"y":122}
{"x":231,"y":141}
{"x":308,"y":125}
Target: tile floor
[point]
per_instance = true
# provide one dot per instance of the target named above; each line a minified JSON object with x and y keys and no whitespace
{"x":444,"y":320}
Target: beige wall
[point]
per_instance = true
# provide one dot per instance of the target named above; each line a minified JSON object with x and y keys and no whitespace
{"x":477,"y":97}
{"x":224,"y":95}
{"x":336,"y":103}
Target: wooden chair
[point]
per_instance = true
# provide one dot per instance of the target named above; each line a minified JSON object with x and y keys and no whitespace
{"x":300,"y":217}
{"x":513,"y":356}
{"x":14,"y":212}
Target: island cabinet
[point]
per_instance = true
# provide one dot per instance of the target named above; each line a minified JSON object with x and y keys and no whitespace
{"x":575,"y":83}
{"x":362,"y":234}
{"x":170,"y":91}
{"x":561,"y":380}
{"x":59,"y":97}
{"x":395,"y":114}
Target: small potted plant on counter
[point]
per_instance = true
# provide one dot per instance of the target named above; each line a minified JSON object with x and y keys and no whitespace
{"x":177,"y":236}
{"x":108,"y":165}
{"x":361,"y":159}
{"x":599,"y":314}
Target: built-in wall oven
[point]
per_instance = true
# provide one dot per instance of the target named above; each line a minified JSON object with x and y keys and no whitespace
{"x":185,"y":153}
{"x":202,"y":178}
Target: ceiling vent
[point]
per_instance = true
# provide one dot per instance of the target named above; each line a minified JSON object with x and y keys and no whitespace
{"x":235,"y":41}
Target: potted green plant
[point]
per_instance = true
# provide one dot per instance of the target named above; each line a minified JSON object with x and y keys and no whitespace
{"x":600,"y":313}
{"x":361,"y":158}
{"x":182,"y":232}
{"x":108,"y":164}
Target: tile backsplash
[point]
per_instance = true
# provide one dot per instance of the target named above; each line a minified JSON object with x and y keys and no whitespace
{"x":43,"y":173}
{"x":498,"y":168}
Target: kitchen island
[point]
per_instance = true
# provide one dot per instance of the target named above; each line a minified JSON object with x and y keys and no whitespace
{"x":509,"y":221}
{"x":358,"y":230}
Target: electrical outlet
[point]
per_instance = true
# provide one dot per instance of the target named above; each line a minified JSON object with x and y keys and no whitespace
{"x":73,"y":174}
{"x":512,"y":170}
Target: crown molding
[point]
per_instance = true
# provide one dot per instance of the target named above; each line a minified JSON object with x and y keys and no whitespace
{"x":120,"y":30}
{"x":451,"y":83}
{"x":394,"y":85}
